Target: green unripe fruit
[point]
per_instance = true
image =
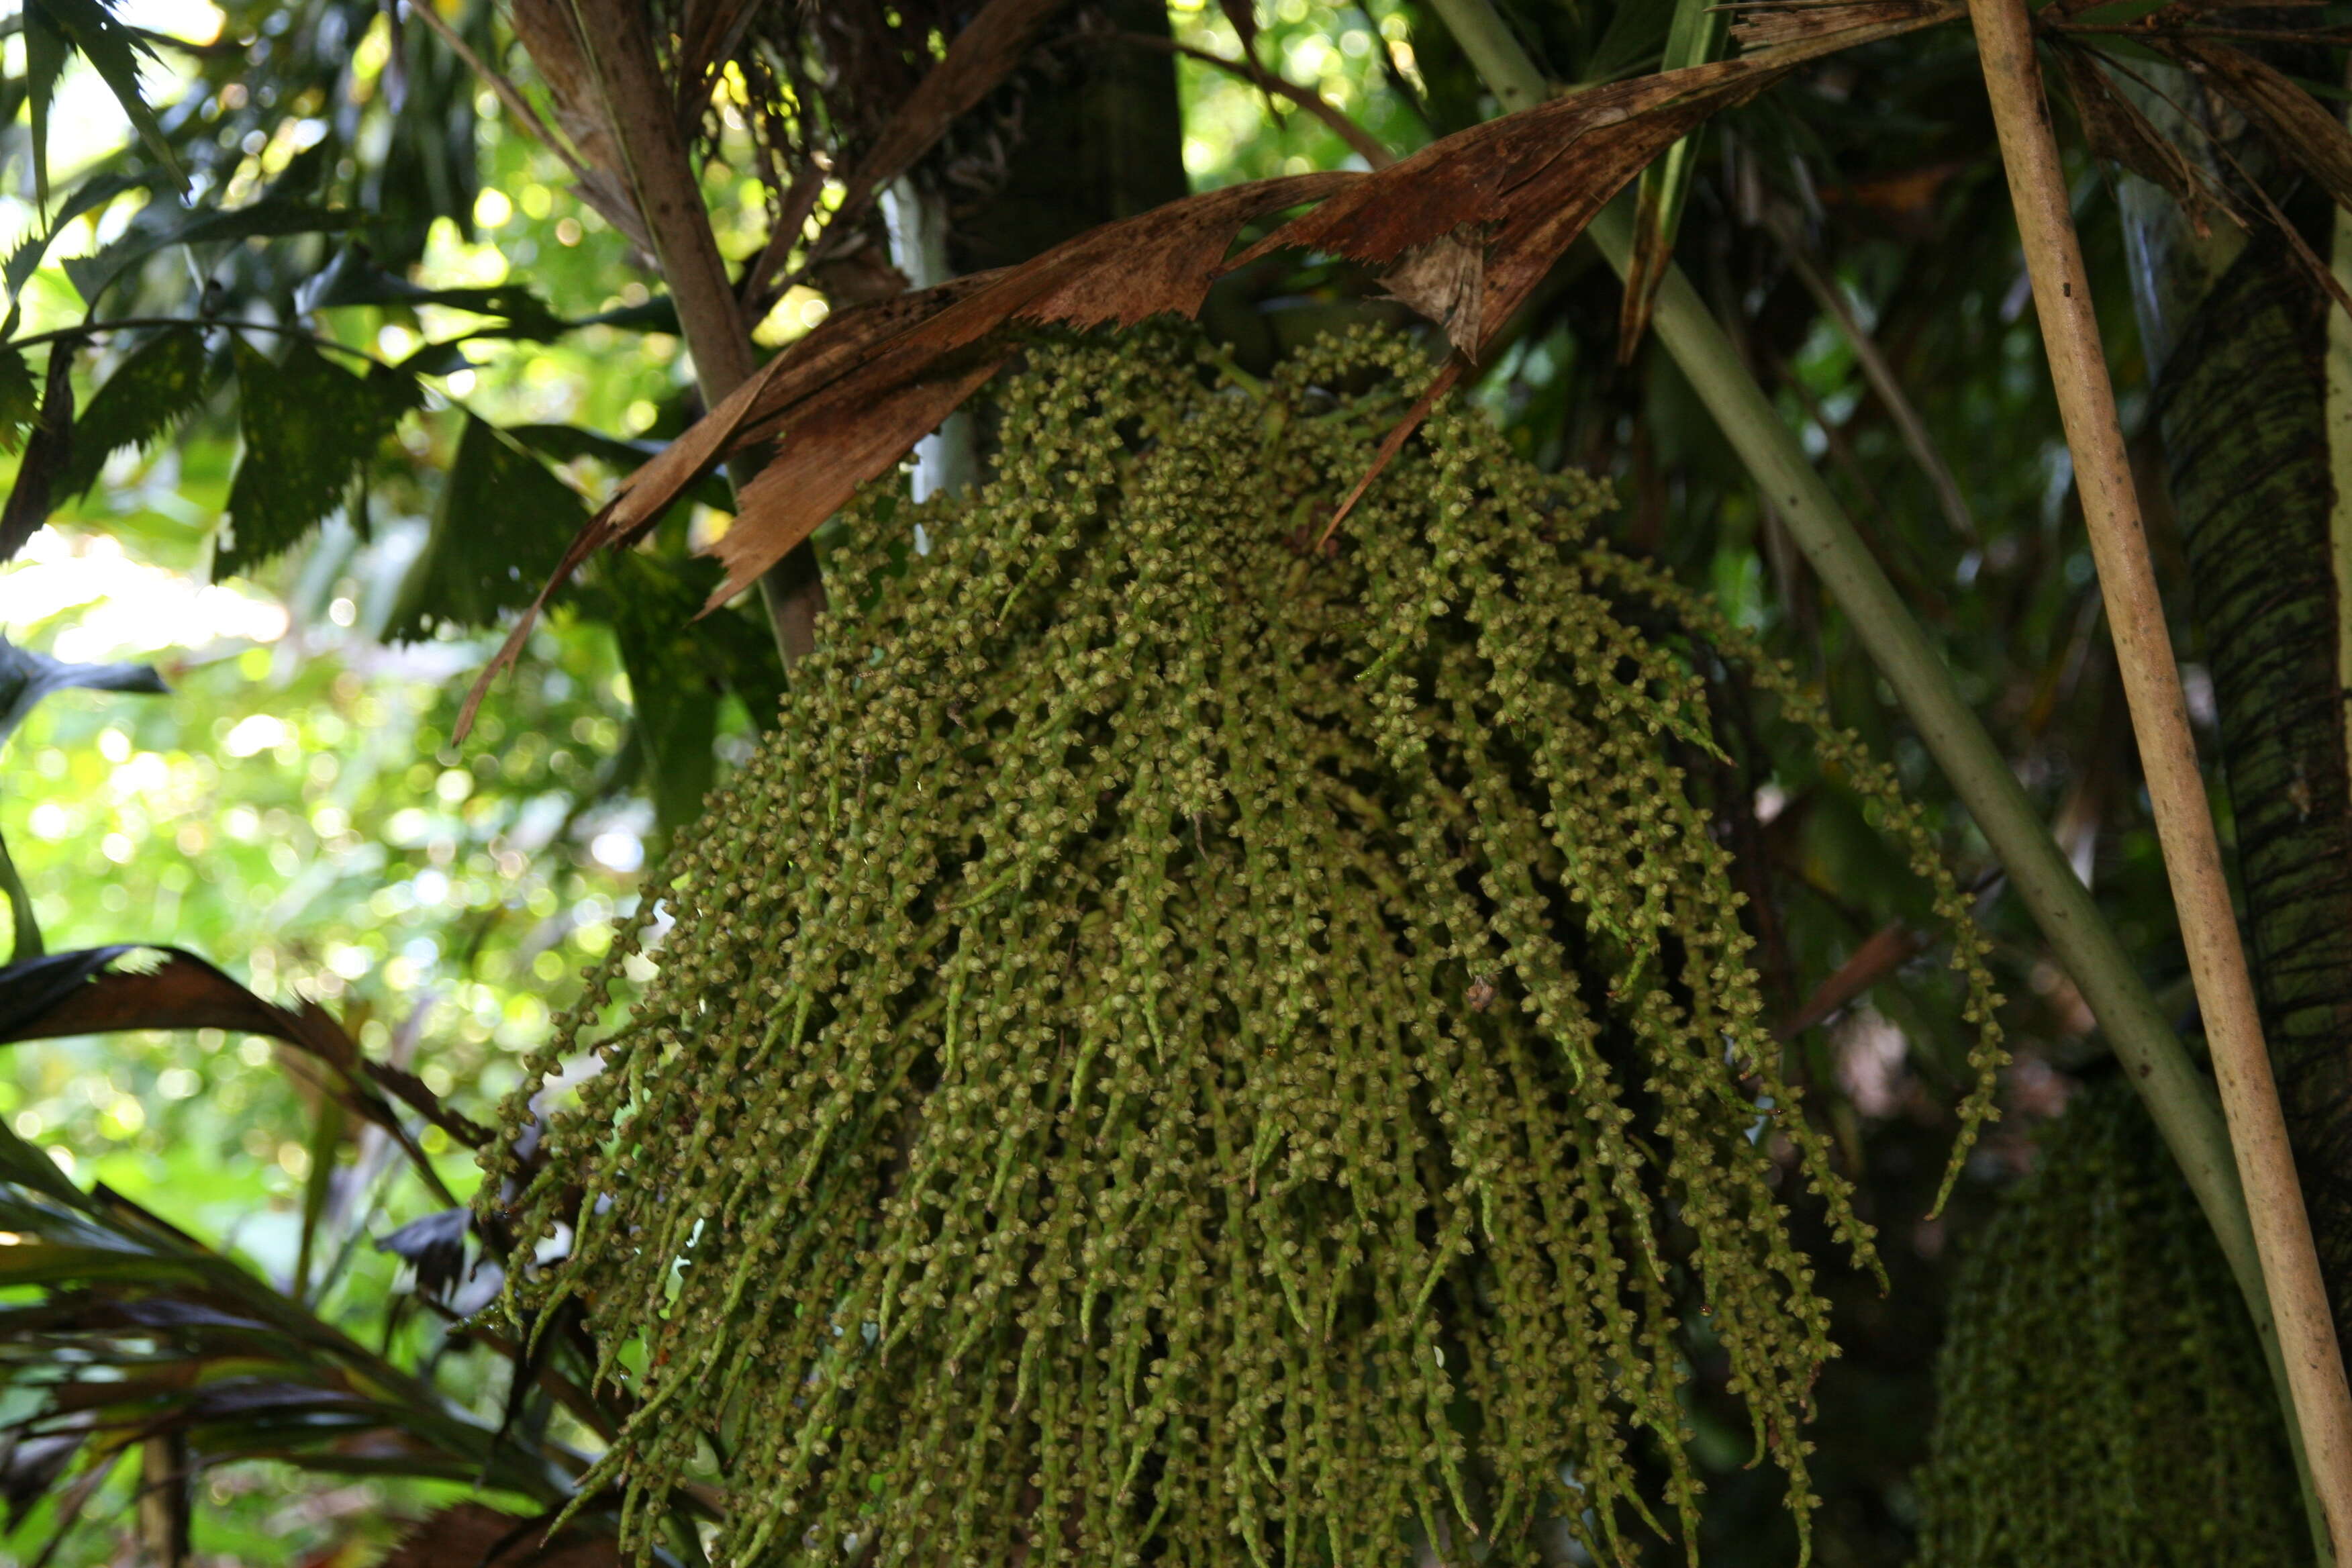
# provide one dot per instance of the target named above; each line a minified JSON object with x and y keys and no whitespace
{"x":2101,"y":1397}
{"x":1193,"y":1047}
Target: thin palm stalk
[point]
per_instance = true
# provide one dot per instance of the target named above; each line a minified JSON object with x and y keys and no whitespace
{"x":1880,"y":375}
{"x":2184,"y":819}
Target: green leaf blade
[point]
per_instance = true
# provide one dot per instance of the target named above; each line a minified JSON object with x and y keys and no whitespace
{"x":45,"y":52}
{"x":500,"y":529}
{"x":309,"y":427}
{"x":20,"y":399}
{"x":114,"y":51}
{"x":164,"y":381}
{"x":1695,"y":37}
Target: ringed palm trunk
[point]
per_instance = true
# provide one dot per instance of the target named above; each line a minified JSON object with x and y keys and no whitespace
{"x":2238,"y":337}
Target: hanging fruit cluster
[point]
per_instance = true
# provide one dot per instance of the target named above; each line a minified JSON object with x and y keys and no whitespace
{"x":1198,"y":1044}
{"x":2102,"y":1397}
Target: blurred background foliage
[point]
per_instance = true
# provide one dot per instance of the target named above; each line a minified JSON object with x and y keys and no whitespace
{"x":294,"y":807}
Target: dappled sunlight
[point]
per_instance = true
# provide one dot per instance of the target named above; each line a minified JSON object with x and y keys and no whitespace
{"x":123,"y":607}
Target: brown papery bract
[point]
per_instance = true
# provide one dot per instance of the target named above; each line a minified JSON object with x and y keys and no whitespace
{"x":844,"y":406}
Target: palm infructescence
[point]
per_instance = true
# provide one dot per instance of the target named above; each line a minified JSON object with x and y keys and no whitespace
{"x":360,"y":302}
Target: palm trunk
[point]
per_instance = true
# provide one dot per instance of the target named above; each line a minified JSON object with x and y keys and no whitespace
{"x":1101,"y":137}
{"x":2241,"y":349}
